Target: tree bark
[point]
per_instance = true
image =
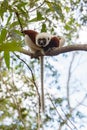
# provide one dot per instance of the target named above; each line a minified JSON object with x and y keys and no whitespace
{"x":57,"y":51}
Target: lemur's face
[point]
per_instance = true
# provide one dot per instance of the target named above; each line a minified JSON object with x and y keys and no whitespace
{"x":43,"y":39}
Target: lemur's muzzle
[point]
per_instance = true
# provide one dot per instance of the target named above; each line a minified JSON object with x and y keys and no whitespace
{"x":42,"y":42}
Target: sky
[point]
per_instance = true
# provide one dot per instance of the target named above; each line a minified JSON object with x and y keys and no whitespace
{"x":83,"y":35}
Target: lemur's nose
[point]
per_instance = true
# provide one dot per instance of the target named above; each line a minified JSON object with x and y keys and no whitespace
{"x":42,"y":42}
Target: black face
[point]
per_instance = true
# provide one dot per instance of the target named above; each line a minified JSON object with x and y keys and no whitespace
{"x":42,"y":42}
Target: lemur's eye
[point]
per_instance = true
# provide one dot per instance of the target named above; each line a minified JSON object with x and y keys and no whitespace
{"x":48,"y":38}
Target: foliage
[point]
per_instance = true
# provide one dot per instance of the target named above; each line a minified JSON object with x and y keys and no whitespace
{"x":19,"y":73}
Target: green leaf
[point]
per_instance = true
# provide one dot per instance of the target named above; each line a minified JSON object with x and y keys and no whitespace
{"x":9,"y":18}
{"x":68,"y":115}
{"x":18,"y":32}
{"x":35,"y":19}
{"x":14,"y":24}
{"x":68,"y":27}
{"x":3,"y":8}
{"x":71,"y":21}
{"x":39,"y":16}
{"x":11,"y":46}
{"x":59,"y":100}
{"x":58,"y":9}
{"x":21,"y":4}
{"x":44,"y":29}
{"x":55,"y":8}
{"x":3,"y":35}
{"x":50,"y":5}
{"x":67,"y":9}
{"x":7,"y":58}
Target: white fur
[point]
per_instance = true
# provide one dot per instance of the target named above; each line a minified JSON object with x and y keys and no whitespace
{"x":61,"y":41}
{"x":41,"y":36}
{"x":32,"y":46}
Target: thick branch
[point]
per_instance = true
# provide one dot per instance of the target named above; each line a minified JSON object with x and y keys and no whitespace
{"x":57,"y":51}
{"x":69,"y":48}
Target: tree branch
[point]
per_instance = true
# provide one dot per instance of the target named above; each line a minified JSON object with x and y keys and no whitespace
{"x":18,"y":17}
{"x":69,"y":48}
{"x":57,"y":51}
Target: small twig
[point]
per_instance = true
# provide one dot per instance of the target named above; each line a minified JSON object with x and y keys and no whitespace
{"x":59,"y":113}
{"x":37,"y":7}
{"x":18,"y":17}
{"x":80,"y":103}
{"x":68,"y":81}
{"x":32,"y":78}
{"x":69,"y":119}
